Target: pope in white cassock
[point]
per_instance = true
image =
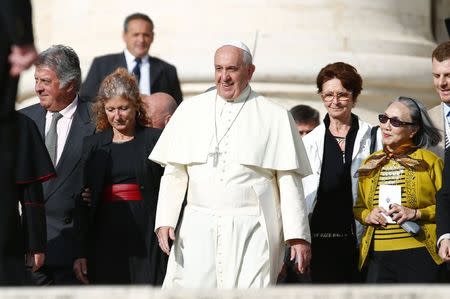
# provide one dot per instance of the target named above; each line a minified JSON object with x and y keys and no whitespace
{"x":241,"y":159}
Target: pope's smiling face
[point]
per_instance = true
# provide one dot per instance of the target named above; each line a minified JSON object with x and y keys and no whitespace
{"x":231,"y":74}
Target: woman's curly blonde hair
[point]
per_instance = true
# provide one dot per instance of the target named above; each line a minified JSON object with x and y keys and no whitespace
{"x":118,"y":84}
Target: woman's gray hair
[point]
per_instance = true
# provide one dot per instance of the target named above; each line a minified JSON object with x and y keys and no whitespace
{"x":64,"y":62}
{"x":427,"y":135}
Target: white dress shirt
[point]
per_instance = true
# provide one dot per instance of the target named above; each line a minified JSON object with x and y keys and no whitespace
{"x":144,"y":82}
{"x":63,"y":126}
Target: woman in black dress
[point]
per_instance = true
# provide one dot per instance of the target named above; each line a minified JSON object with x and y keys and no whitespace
{"x":115,"y":228}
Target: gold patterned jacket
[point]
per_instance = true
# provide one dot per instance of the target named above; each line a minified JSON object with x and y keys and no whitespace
{"x":421,"y":188}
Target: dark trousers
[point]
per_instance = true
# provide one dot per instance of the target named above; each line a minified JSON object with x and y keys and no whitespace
{"x":402,"y":266}
{"x":334,"y":260}
{"x":48,"y":275}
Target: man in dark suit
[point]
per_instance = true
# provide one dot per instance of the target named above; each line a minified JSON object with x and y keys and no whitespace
{"x":441,"y":79}
{"x":153,"y":74}
{"x":64,"y":120}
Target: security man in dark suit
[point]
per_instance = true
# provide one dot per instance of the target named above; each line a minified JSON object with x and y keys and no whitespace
{"x":153,"y":74}
{"x":64,"y":120}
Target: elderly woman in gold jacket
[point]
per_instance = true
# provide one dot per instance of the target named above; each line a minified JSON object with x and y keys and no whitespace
{"x":397,"y":188}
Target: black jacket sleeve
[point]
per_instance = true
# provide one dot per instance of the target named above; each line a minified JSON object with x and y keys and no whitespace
{"x":81,"y":217}
{"x":15,"y":18}
{"x":33,"y":217}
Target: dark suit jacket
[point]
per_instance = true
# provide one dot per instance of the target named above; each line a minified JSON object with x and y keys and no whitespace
{"x":443,"y":201}
{"x":96,"y":158}
{"x":163,"y":76}
{"x":60,"y":193}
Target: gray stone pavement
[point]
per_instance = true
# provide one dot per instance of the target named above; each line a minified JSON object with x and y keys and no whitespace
{"x":304,"y":292}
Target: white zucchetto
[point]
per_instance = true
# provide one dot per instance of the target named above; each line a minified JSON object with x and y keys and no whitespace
{"x":237,"y":44}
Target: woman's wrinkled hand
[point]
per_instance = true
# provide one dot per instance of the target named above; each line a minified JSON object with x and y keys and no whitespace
{"x":376,"y":217}
{"x":401,"y":214}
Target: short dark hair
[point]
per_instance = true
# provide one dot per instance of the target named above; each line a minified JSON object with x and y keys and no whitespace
{"x":136,"y":16}
{"x":347,"y":74}
{"x":442,"y":52}
{"x":303,"y":114}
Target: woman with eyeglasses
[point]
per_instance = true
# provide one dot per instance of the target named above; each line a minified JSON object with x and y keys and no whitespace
{"x":396,"y":201}
{"x":335,"y":150}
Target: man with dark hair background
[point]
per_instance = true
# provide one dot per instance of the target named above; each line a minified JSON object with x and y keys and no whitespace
{"x":306,"y":118}
{"x":153,"y":74}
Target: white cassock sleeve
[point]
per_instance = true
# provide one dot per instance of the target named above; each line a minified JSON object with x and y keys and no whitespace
{"x":171,"y":195}
{"x":293,"y":206}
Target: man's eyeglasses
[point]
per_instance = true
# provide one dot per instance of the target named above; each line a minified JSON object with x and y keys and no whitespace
{"x":340,"y":96}
{"x":395,"y":122}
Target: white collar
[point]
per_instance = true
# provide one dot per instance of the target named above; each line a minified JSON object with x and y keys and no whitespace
{"x":131,"y":59}
{"x":67,"y":112}
{"x":241,"y":98}
{"x":445,"y":108}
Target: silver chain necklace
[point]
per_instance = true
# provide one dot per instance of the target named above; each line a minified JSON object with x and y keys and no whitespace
{"x":216,"y":152}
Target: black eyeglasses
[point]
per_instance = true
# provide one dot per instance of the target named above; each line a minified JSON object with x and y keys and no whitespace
{"x":383,"y":118}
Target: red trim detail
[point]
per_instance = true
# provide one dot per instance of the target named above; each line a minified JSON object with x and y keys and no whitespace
{"x":33,"y":204}
{"x":38,"y":179}
{"x":122,"y":192}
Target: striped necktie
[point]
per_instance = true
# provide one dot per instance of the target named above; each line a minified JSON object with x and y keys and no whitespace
{"x":447,"y":139}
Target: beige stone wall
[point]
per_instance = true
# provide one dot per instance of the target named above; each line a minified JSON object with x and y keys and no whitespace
{"x":389,"y":42}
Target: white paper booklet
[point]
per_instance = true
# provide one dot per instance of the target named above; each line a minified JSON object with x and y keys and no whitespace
{"x":388,"y":195}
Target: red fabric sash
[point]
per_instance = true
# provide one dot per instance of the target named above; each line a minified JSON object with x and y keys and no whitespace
{"x":121,"y":192}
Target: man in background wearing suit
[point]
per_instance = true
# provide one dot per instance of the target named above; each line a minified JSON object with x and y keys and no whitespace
{"x":64,"y":120}
{"x":440,"y":114}
{"x":153,"y":74}
{"x":441,"y":79}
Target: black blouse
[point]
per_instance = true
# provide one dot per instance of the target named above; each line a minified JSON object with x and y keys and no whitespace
{"x":122,"y":160}
{"x":333,"y":213}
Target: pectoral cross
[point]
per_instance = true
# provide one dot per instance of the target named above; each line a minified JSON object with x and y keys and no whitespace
{"x":215,"y":156}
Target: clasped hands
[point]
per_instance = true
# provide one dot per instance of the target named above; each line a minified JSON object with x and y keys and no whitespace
{"x":398,"y":213}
